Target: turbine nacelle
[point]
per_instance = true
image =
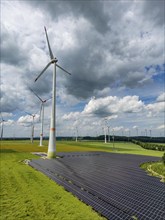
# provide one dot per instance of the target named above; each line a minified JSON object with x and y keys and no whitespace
{"x":54,"y":60}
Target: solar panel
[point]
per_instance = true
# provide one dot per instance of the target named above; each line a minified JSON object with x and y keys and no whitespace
{"x":113,"y":184}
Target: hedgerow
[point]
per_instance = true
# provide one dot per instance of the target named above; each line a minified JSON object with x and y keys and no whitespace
{"x":149,"y":146}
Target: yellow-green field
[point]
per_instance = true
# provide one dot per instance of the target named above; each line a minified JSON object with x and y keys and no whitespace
{"x":28,"y":194}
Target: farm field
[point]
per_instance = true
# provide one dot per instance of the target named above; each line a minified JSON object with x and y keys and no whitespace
{"x":28,"y":194}
{"x":71,"y":146}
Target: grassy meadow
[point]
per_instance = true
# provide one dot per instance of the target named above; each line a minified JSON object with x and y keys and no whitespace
{"x":28,"y":194}
{"x":71,"y":146}
{"x":155,"y":169}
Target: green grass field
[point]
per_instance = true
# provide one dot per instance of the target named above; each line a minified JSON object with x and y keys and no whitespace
{"x":28,"y":194}
{"x":155,"y":169}
{"x":70,"y":146}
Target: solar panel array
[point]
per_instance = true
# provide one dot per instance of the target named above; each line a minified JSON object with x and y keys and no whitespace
{"x":113,"y":184}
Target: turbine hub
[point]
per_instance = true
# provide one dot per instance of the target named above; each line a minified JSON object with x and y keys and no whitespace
{"x":54,"y":60}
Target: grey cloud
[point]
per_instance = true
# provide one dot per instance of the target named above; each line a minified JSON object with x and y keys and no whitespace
{"x":11,"y":51}
{"x":86,"y":76}
{"x":87,"y":62}
{"x":43,"y":86}
{"x":92,"y":72}
{"x":9,"y":103}
{"x":110,"y":34}
{"x":132,"y":79}
{"x":155,"y":11}
{"x":105,"y":51}
{"x":93,"y":11}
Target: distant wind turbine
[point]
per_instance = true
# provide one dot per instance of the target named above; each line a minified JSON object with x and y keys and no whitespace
{"x":41,"y":114}
{"x":129,"y":134}
{"x":32,"y":132}
{"x":52,"y":135}
{"x":109,"y":134}
{"x":105,"y":135}
{"x":76,"y":133}
{"x":150,"y":133}
{"x":113,"y":132}
{"x":2,"y":124}
{"x":137,"y":132}
{"x":146,"y":132}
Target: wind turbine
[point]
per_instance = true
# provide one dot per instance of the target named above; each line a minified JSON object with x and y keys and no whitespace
{"x":32,"y":132}
{"x":109,"y":134}
{"x":137,"y":132}
{"x":52,"y":135}
{"x":105,"y":135}
{"x":146,"y":132}
{"x":2,"y":124}
{"x":129,"y":134}
{"x":41,"y":114}
{"x":113,"y":132}
{"x":150,"y":133}
{"x":122,"y":132}
{"x":76,"y":133}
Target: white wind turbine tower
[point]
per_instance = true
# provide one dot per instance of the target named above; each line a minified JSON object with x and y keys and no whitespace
{"x":41,"y":114}
{"x":122,"y":132}
{"x":52,"y":135}
{"x":32,"y":132}
{"x":105,"y":135}
{"x":76,"y":124}
{"x":113,"y":137}
{"x":2,"y":124}
{"x":109,"y":133}
{"x":137,"y":132}
{"x":129,"y":134}
{"x":146,"y":132}
{"x":76,"y":133}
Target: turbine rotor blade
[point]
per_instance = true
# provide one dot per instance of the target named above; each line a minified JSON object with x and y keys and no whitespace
{"x":36,"y":95}
{"x":63,"y":69}
{"x":48,"y":99}
{"x":43,"y":71}
{"x":28,"y":113}
{"x":50,"y":51}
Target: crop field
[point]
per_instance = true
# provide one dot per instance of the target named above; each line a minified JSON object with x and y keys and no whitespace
{"x":28,"y":194}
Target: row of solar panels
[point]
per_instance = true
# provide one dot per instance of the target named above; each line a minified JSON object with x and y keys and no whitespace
{"x":118,"y":197}
{"x":117,"y":192}
{"x":97,"y":204}
{"x":131,"y":196}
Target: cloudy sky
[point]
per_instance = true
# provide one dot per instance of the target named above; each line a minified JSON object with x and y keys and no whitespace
{"x":114,"y":50}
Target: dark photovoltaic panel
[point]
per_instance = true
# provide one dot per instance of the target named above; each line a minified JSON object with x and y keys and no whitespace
{"x":113,"y":184}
